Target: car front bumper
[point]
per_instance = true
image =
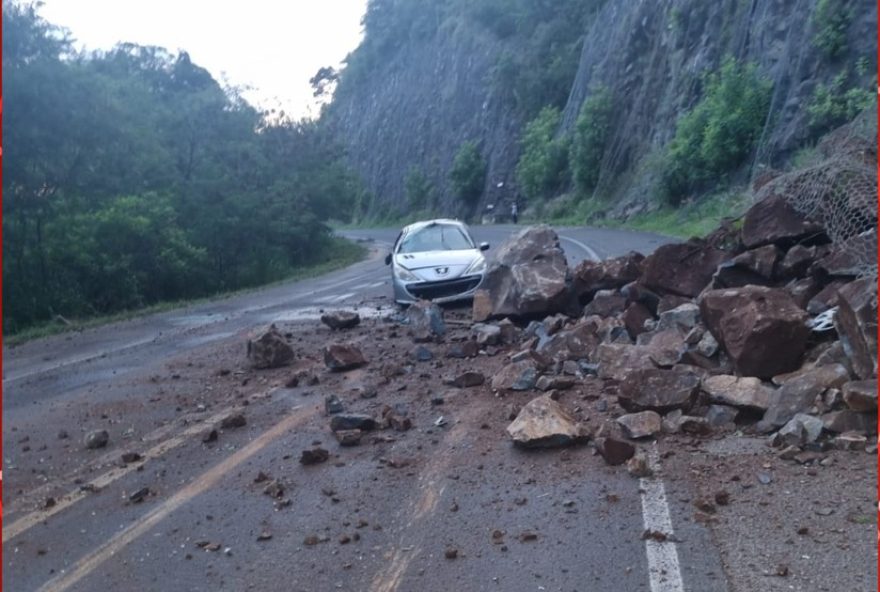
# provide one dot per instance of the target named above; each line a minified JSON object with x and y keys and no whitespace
{"x":461,"y":288}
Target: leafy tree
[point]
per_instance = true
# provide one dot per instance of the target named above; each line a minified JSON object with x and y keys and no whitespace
{"x":468,"y":173}
{"x":831,"y":20}
{"x":720,"y":131}
{"x":590,"y":138}
{"x":543,"y":164}
{"x":837,"y":103}
{"x":419,"y":190}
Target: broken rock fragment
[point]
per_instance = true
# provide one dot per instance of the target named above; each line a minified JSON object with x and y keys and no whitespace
{"x":543,"y":423}
{"x":518,"y":376}
{"x":468,"y":379}
{"x":861,"y":395}
{"x":352,"y":421}
{"x":314,"y":456}
{"x":425,"y":321}
{"x":341,"y":319}
{"x":348,"y":437}
{"x":269,"y":350}
{"x":659,"y":390}
{"x":96,"y":439}
{"x":640,"y":425}
{"x":739,"y":391}
{"x":614,"y":451}
{"x":856,"y":323}
{"x":798,"y":393}
{"x":343,"y":356}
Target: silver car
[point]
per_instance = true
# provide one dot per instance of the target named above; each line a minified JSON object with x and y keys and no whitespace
{"x":436,"y":260}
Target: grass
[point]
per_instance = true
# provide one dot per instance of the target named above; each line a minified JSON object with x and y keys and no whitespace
{"x":344,"y":253}
{"x":690,"y":219}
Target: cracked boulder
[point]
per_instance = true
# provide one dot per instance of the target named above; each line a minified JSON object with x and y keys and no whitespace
{"x":543,"y":423}
{"x":527,"y":276}
{"x":773,"y":220}
{"x":269,"y":350}
{"x":682,"y":269}
{"x":762,"y":329}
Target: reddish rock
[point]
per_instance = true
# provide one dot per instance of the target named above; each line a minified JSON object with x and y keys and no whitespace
{"x":670,"y":302}
{"x":269,"y":350}
{"x":803,"y":290}
{"x":773,"y":220}
{"x":348,"y":437}
{"x":683,"y":269}
{"x":851,"y":257}
{"x":850,"y":421}
{"x":665,"y":348}
{"x":761,"y":329}
{"x":861,"y":395}
{"x":826,"y":298}
{"x":658,"y":390}
{"x":617,"y":360}
{"x":634,"y":318}
{"x":606,"y":303}
{"x":468,"y":379}
{"x":527,"y":275}
{"x":590,"y":277}
{"x":343,"y":356}
{"x":614,"y":451}
{"x":856,"y":324}
{"x":796,"y":262}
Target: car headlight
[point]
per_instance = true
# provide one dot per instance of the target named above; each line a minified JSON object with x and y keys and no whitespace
{"x":478,"y":266}
{"x":404,"y":274}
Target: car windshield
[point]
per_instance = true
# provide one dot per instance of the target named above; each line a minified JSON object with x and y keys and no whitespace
{"x":436,"y":237}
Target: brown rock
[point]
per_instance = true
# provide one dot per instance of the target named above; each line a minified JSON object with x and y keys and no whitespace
{"x":617,"y":360}
{"x":527,"y":275}
{"x":850,"y":421}
{"x":543,"y":423}
{"x":348,"y":437}
{"x":606,"y":303}
{"x":658,"y":390}
{"x":761,"y":329}
{"x":634,"y":318}
{"x":745,"y":391}
{"x":269,"y":350}
{"x":640,"y":425}
{"x":861,"y":395}
{"x":313,"y":456}
{"x":665,"y":347}
{"x":518,"y":376}
{"x":614,"y":451}
{"x":465,"y":349}
{"x":773,"y":220}
{"x":592,"y":276}
{"x":682,"y":268}
{"x":826,"y":298}
{"x":235,"y":420}
{"x":341,"y":319}
{"x":796,"y":261}
{"x":856,"y":324}
{"x":468,"y":379}
{"x":798,"y":394}
{"x":343,"y":356}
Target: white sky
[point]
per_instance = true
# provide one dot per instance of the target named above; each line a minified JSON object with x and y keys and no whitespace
{"x":271,"y":46}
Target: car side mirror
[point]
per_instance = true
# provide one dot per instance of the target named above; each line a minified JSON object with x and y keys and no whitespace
{"x":484,"y":246}
{"x":388,"y":259}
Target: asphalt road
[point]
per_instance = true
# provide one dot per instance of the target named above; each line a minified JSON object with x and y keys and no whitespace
{"x":158,"y":383}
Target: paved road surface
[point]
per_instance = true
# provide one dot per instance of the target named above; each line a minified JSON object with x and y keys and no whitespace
{"x":154,"y":383}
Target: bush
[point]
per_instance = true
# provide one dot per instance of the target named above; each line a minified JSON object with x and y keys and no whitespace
{"x":831,"y":21}
{"x":468,"y":174}
{"x":419,"y":190}
{"x":720,"y":131}
{"x":543,"y":165}
{"x":834,"y":104}
{"x":590,"y":137}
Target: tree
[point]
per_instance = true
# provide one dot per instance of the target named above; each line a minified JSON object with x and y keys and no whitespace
{"x":468,"y":174}
{"x":543,"y":164}
{"x":590,"y":138}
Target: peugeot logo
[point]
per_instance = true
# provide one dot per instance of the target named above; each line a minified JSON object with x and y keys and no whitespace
{"x":441,"y":270}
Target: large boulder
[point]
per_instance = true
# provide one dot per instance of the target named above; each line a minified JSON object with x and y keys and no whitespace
{"x":856,"y":324}
{"x":799,"y":393}
{"x":659,"y":390}
{"x":773,"y":220}
{"x":682,"y":269}
{"x":544,"y":423}
{"x":269,"y":350}
{"x":527,"y":276}
{"x":762,"y":330}
{"x":591,"y":276}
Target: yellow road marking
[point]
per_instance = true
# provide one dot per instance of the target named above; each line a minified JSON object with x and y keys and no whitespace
{"x":90,"y":562}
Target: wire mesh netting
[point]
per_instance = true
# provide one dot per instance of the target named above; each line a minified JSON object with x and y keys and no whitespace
{"x":839,"y":190}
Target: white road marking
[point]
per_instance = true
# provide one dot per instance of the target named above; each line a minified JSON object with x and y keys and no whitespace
{"x":664,"y":572}
{"x":376,"y":284}
{"x":342,"y":297}
{"x":588,"y":250}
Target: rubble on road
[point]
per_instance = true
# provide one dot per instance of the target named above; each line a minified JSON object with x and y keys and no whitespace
{"x":543,"y":423}
{"x":341,"y":319}
{"x":269,"y":350}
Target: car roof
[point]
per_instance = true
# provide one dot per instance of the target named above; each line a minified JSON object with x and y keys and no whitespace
{"x":424,"y":223}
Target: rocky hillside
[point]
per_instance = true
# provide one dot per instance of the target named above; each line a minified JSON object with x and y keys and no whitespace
{"x":413,"y":93}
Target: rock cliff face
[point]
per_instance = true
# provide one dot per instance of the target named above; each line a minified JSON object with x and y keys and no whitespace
{"x":437,"y":92}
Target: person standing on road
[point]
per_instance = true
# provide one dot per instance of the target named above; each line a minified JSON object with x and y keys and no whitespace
{"x":514,"y":213}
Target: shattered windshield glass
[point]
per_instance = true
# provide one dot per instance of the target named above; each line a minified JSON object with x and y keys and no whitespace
{"x":436,"y":237}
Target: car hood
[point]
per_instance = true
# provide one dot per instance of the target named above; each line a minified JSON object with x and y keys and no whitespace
{"x":438,"y":265}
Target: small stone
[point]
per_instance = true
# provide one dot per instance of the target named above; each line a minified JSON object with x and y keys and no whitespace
{"x":614,"y":451}
{"x":450,"y":553}
{"x":96,"y":439}
{"x":722,"y":498}
{"x":264,"y":536}
{"x":333,"y":405}
{"x":423,"y":354}
{"x":638,"y":466}
{"x":468,"y":379}
{"x":314,"y":456}
{"x":341,"y":319}
{"x":139,"y":495}
{"x":130,"y":457}
{"x":352,"y":421}
{"x":236,"y":420}
{"x":209,"y":436}
{"x":528,"y":536}
{"x":640,"y":425}
{"x":348,"y":437}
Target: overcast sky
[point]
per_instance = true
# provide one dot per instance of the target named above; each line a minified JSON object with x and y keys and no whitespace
{"x":273,"y":46}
